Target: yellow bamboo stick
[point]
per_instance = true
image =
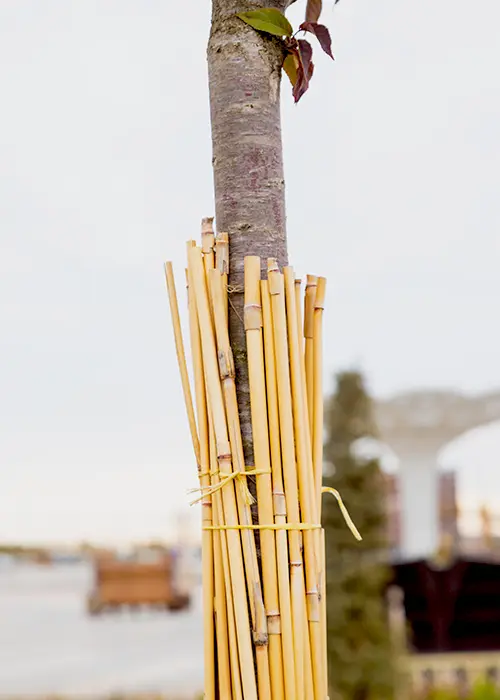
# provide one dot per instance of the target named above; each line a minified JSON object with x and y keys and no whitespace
{"x":308,"y":672}
{"x":227,"y":644}
{"x":181,"y":357}
{"x":207,"y":246}
{"x":317,"y":438}
{"x":226,"y":371}
{"x":306,"y":483}
{"x":206,"y":506}
{"x":278,"y":498}
{"x":319,"y":305}
{"x":233,"y":640}
{"x":306,"y":409}
{"x":220,"y":592}
{"x":227,"y":617}
{"x":307,"y":372}
{"x":223,"y":591}
{"x":310,"y":296}
{"x":298,"y":309}
{"x":222,"y":262}
{"x":216,"y":401}
{"x":324,"y":630}
{"x":262,"y":459}
{"x":208,"y":240}
{"x":289,"y":468}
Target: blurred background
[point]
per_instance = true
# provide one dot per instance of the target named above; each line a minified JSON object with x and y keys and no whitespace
{"x":105,"y":170}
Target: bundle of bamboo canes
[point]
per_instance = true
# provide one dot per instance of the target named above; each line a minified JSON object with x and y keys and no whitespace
{"x":264,"y":617}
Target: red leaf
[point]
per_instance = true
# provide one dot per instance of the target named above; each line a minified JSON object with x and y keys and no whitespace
{"x":313,"y":10}
{"x":321,"y":33}
{"x":305,"y":69}
{"x":305,"y":54}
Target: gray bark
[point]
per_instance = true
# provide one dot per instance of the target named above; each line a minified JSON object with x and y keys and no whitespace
{"x":244,"y":78}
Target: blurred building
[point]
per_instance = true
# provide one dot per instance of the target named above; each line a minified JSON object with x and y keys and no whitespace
{"x":444,"y":536}
{"x":417,"y":426}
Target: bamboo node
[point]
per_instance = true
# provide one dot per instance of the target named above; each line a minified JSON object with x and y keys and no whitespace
{"x":207,"y":245}
{"x":279,"y":503}
{"x":273,"y":622}
{"x":252,"y":314}
{"x":207,"y":224}
{"x":222,"y":253}
{"x":312,"y":281}
{"x":295,"y":563}
{"x":272,"y":265}
{"x":226,"y":364}
{"x":260,"y":639}
{"x":352,"y":527}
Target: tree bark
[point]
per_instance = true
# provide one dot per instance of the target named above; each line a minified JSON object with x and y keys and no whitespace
{"x":244,"y":78}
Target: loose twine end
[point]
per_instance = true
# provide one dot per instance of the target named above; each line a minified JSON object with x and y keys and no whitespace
{"x":352,"y":527}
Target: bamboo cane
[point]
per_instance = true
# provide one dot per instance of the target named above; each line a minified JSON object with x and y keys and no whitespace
{"x":306,"y":408}
{"x":308,"y":671}
{"x":207,"y":548}
{"x":222,"y":262}
{"x":306,"y":483}
{"x":279,"y":502}
{"x":307,"y":370}
{"x":257,"y":384}
{"x":298,"y":310}
{"x":227,"y":616}
{"x":220,"y":590}
{"x":319,"y":305}
{"x":310,"y":296}
{"x":208,"y":240}
{"x":317,"y":436}
{"x":226,"y":369}
{"x":323,"y":612}
{"x":223,"y":591}
{"x":227,"y":647}
{"x":289,"y":469}
{"x":308,"y":675}
{"x":207,"y":247}
{"x":181,"y":357}
{"x":214,"y":392}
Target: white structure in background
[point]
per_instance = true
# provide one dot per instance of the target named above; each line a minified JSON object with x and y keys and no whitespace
{"x":476,"y":457}
{"x":417,"y":426}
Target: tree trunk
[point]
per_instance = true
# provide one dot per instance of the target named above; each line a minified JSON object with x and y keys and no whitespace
{"x":244,"y":77}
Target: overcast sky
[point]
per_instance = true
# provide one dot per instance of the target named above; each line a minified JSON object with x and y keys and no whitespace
{"x":392,"y":163}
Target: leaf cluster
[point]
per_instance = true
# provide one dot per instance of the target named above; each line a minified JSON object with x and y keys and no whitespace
{"x":297,"y":63}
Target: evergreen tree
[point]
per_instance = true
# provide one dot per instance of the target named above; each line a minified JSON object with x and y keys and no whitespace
{"x":359,"y":645}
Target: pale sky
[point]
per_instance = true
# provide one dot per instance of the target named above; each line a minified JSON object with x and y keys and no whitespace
{"x":392,"y":163}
